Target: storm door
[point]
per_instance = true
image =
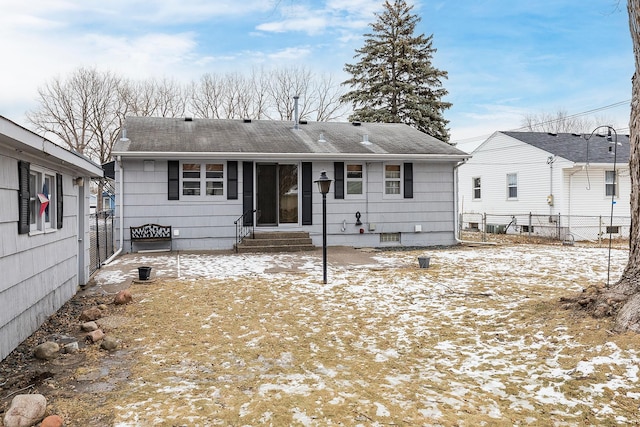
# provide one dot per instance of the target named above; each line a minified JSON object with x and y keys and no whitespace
{"x":276,"y":194}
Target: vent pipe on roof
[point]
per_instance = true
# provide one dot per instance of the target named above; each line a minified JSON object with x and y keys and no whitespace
{"x":365,"y":139}
{"x":295,"y":111}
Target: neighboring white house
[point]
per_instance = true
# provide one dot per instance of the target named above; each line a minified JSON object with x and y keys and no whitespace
{"x":567,"y":182}
{"x":44,"y":230}
{"x":392,"y":185}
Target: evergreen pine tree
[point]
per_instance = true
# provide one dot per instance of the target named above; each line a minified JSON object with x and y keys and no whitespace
{"x":394,"y":80}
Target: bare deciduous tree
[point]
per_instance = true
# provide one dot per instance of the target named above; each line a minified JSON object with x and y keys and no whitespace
{"x":561,"y":122}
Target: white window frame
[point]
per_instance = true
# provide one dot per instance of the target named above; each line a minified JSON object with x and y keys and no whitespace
{"x":354,"y":179}
{"x":399,"y":180}
{"x":204,"y":178}
{"x":510,"y":186}
{"x":477,"y":188}
{"x":608,"y":184}
{"x":45,"y":223}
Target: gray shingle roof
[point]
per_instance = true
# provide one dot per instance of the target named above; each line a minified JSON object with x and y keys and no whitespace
{"x":153,"y":134}
{"x":573,"y":147}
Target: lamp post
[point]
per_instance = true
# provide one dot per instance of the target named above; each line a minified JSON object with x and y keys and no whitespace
{"x":613,"y":193}
{"x":614,"y":186}
{"x":324,"y":183}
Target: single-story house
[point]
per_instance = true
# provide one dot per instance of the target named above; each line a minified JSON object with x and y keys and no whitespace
{"x":568,"y":182}
{"x":391,"y":184}
{"x":44,"y":250}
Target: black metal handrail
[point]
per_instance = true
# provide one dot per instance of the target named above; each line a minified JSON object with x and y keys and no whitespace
{"x":244,"y":226}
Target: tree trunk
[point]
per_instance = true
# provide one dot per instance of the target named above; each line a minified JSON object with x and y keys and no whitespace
{"x":625,"y":294}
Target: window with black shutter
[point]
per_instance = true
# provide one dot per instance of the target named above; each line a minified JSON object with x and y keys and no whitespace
{"x":408,"y":180}
{"x":232,"y":180}
{"x":307,"y":194}
{"x":60,"y":196}
{"x":338,"y":174}
{"x":173,"y":180}
{"x":23,"y":197}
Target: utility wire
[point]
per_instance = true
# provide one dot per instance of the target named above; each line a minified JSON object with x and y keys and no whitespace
{"x":583,"y":113}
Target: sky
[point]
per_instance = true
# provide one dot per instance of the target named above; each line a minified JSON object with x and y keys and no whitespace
{"x":505,"y":59}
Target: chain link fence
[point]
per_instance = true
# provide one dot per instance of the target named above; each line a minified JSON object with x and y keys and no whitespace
{"x":102,"y":240}
{"x":565,"y":228}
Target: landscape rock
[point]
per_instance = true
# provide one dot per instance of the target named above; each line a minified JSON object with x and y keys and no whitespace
{"x":103,"y":307}
{"x":123,"y":297}
{"x":93,"y":313}
{"x":95,"y":336}
{"x":25,"y":410}
{"x":89,"y":326}
{"x":52,"y":421}
{"x":46,"y":351}
{"x":71,"y":348}
{"x":109,"y":343}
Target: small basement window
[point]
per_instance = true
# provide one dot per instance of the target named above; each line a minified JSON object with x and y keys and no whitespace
{"x":526,"y":229}
{"x":613,"y":229}
{"x":389,"y":237}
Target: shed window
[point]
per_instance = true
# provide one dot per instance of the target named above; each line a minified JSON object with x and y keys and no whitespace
{"x":43,"y":200}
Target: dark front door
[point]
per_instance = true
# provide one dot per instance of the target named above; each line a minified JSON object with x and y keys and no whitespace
{"x":276,"y":194}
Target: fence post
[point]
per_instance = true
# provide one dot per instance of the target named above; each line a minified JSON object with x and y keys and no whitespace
{"x":484,"y":226}
{"x":530,"y":223}
{"x":97,"y":241}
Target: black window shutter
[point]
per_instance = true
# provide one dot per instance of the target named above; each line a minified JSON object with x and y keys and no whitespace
{"x":307,"y":194}
{"x":59,"y":197}
{"x":24,"y":168}
{"x":408,"y":180}
{"x":232,"y":180}
{"x":338,"y":174}
{"x":174,"y":180}
{"x":247,"y":192}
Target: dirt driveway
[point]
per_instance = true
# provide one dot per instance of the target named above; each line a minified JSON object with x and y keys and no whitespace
{"x":477,"y":338}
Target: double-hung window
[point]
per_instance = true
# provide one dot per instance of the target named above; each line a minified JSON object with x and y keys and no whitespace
{"x":610,"y":184}
{"x":512,"y":186}
{"x":476,"y":188}
{"x":392,"y":179}
{"x":42,"y":200}
{"x":200,"y":179}
{"x":354,"y":179}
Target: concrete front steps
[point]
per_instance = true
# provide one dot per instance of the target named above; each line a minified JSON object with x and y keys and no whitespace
{"x":276,"y":241}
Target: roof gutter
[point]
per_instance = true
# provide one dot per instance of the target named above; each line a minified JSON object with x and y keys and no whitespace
{"x":291,"y":156}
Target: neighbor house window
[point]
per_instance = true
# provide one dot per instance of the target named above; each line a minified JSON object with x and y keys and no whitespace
{"x":354,"y":179}
{"x":392,"y":179}
{"x":512,"y":186}
{"x":202,"y":179}
{"x":476,"y":188}
{"x":42,"y":200}
{"x":610,"y":183}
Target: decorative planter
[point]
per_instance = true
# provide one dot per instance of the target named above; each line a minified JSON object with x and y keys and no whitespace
{"x":144,"y":273}
{"x":423,"y":261}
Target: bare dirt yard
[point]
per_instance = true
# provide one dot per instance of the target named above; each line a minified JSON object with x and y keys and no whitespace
{"x":478,"y":338}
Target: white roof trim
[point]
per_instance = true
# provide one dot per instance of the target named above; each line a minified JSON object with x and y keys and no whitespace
{"x":291,"y":156}
{"x":24,"y":138}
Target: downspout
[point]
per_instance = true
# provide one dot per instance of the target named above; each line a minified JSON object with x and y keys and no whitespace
{"x":455,"y":209}
{"x":121,"y":213}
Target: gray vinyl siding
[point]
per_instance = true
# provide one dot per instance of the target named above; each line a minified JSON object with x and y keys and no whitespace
{"x":209,"y":225}
{"x":201,"y":224}
{"x":431,"y":208}
{"x":39,"y":271}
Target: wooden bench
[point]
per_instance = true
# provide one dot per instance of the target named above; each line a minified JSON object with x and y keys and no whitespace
{"x":151,"y":233}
